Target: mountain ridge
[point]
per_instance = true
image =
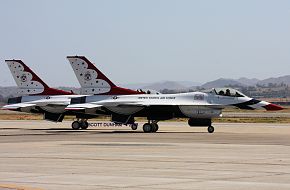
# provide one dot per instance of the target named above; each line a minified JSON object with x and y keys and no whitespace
{"x":221,"y":82}
{"x":178,"y":86}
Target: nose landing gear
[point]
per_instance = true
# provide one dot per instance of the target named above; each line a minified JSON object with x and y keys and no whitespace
{"x":134,"y":126}
{"x":201,"y":122}
{"x":210,"y":129}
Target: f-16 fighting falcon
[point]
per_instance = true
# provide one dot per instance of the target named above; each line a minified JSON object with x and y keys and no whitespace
{"x":199,"y":107}
{"x":40,"y":98}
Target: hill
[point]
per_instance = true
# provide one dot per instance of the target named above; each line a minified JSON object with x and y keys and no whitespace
{"x":221,"y":83}
{"x":278,"y":80}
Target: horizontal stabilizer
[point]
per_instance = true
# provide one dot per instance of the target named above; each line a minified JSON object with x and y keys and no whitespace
{"x":17,"y":106}
{"x":75,"y":107}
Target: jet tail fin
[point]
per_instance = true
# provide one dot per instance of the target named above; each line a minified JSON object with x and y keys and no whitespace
{"x":92,"y":80}
{"x":28,"y":82}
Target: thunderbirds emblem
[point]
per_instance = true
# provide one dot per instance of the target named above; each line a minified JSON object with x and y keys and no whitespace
{"x":88,"y":76}
{"x":23,"y":78}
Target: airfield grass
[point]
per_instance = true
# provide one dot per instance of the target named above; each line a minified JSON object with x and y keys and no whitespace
{"x":10,"y":115}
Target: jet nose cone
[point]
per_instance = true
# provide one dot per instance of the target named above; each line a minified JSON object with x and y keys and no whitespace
{"x":273,"y":107}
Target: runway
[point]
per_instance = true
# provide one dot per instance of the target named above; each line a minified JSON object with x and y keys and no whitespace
{"x":45,"y":155}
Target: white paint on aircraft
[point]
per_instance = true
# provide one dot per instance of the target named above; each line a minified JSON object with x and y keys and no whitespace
{"x":24,"y":80}
{"x":88,"y":78}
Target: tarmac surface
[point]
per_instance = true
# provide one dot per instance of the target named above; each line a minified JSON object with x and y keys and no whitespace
{"x":45,"y":155}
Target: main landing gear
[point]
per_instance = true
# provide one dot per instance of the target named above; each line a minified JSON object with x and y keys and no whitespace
{"x":150,"y":127}
{"x":80,"y":124}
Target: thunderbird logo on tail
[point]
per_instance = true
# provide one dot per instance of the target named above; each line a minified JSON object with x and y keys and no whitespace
{"x":23,"y":78}
{"x":88,"y":76}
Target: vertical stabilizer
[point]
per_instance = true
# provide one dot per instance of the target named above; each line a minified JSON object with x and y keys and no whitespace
{"x":28,"y":82}
{"x":92,"y":80}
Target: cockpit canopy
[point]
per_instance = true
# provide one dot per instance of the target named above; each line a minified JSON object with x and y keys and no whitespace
{"x":148,"y":91}
{"x":227,"y":92}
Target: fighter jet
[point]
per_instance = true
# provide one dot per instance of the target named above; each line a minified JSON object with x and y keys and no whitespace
{"x":52,"y":102}
{"x":199,"y":107}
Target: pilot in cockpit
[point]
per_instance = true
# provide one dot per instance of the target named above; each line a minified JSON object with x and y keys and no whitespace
{"x":222,"y":93}
{"x":228,"y":92}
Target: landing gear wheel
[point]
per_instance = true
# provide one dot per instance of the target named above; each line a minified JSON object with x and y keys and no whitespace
{"x":210,"y":129}
{"x":134,"y":126}
{"x":75,"y":125}
{"x":155,"y":127}
{"x":147,"y":128}
{"x":84,"y":125}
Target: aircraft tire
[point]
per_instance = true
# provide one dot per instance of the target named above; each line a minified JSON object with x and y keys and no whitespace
{"x":134,"y":126}
{"x":210,"y":129}
{"x":147,"y":128}
{"x":84,"y":125}
{"x":75,"y":125}
{"x":155,"y":127}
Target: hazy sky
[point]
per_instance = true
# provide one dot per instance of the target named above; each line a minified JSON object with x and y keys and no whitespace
{"x":147,"y":41}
